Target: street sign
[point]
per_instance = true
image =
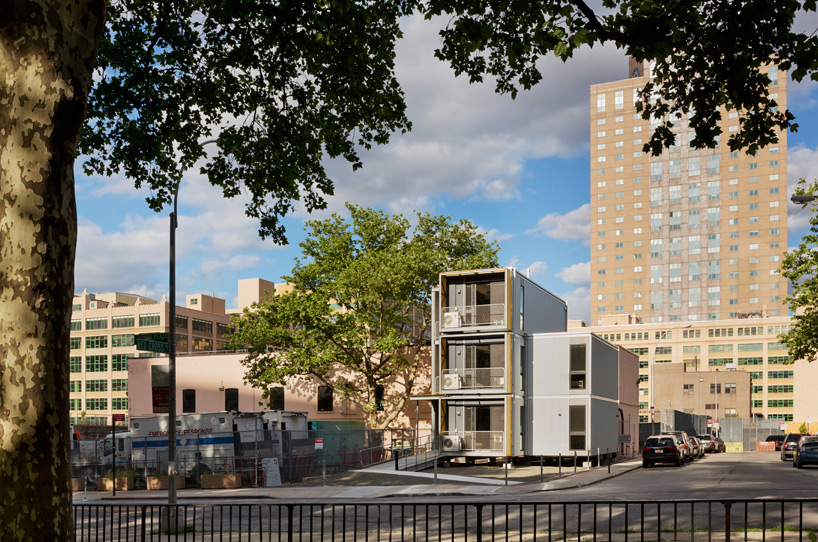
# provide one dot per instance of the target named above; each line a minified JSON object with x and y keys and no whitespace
{"x":162,"y":337}
{"x":319,"y":444}
{"x":118,"y":417}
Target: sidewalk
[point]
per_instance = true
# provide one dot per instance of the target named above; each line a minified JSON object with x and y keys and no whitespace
{"x":421,"y":484}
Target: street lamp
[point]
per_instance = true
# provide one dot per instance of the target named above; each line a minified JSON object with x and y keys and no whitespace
{"x":802,"y":198}
{"x":652,"y":363}
{"x":172,"y":356}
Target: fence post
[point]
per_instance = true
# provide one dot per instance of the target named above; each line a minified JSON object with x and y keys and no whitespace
{"x":289,"y":522}
{"x":727,"y":505}
{"x":575,"y":461}
{"x":395,"y":455}
{"x":506,"y":470}
{"x":540,"y":468}
{"x":559,"y":459}
{"x":479,"y":529}
{"x":608,"y":457}
{"x":143,"y":523}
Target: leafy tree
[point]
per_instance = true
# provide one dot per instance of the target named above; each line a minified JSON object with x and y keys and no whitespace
{"x":360,"y":311}
{"x":800,"y":267}
{"x":278,"y":86}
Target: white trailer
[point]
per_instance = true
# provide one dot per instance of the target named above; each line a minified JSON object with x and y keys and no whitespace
{"x":204,"y":439}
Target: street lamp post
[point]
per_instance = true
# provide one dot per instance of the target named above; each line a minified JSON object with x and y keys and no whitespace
{"x":172,"y":357}
{"x":717,"y":422}
{"x":652,"y":363}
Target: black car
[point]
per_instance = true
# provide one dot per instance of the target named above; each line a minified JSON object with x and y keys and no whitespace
{"x":806,"y":452}
{"x":788,"y":445}
{"x":662,"y":449}
{"x":777,"y":439}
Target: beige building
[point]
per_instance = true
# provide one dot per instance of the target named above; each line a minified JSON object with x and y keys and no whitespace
{"x":103,"y":330}
{"x":750,"y":345}
{"x":720,"y":393}
{"x":691,"y":235}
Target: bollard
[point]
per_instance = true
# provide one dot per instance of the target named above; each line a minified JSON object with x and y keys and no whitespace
{"x":559,"y":463}
{"x":435,"y":470}
{"x":540,"y":468}
{"x":506,"y":469}
{"x":324,"y":471}
{"x":397,"y":455}
{"x":575,"y":461}
{"x":608,"y":457}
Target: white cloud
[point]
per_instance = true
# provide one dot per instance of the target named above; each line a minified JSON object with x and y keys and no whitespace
{"x":579,"y":273}
{"x":579,"y":304}
{"x":537,"y":269}
{"x":495,"y":235}
{"x":467,"y":141}
{"x":802,"y":162}
{"x":513,"y":262}
{"x":572,"y":226}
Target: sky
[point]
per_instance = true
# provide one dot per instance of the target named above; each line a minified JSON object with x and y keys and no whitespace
{"x":518,"y":169}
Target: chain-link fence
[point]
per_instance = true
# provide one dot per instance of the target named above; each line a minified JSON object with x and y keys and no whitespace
{"x":255,"y":458}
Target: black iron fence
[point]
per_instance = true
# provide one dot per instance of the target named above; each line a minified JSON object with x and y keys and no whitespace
{"x":679,"y":521}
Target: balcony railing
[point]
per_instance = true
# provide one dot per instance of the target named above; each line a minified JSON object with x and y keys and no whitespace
{"x":472,"y":379}
{"x":473,"y":441}
{"x":473,"y":315}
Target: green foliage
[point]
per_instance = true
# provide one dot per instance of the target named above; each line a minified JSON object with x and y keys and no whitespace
{"x":278,"y":85}
{"x":360,"y":310}
{"x":803,"y":428}
{"x":708,"y":54}
{"x":800,"y":267}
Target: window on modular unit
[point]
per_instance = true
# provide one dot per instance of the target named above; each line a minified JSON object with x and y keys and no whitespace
{"x":324,"y":399}
{"x":522,"y":306}
{"x":188,"y":400}
{"x":576,"y":427}
{"x":578,"y":365}
{"x":231,"y":399}
{"x":276,"y":400}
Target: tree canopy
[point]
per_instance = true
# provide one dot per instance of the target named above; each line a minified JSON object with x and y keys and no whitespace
{"x":800,"y":267}
{"x":359,"y":311}
{"x":280,"y":86}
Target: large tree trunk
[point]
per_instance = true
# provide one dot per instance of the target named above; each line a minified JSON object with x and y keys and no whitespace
{"x":47,"y":52}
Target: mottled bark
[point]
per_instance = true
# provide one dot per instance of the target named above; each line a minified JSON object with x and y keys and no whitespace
{"x":47,"y":51}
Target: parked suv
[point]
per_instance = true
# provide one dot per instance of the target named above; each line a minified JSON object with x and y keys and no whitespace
{"x":708,"y":444}
{"x":777,"y":439}
{"x":684,"y":443}
{"x":788,"y":445}
{"x":662,"y":449}
{"x":806,"y":452}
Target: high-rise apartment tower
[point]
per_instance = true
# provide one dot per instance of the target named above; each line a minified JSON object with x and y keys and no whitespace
{"x":691,"y":234}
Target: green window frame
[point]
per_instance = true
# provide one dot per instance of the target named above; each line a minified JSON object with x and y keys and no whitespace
{"x":96,"y":323}
{"x":119,"y":322}
{"x":75,"y":343}
{"x":121,"y":341}
{"x":96,"y":364}
{"x":75,"y":364}
{"x":779,"y":374}
{"x":96,"y":403}
{"x":75,"y":404}
{"x":96,"y":385}
{"x":96,"y":341}
{"x":119,"y":362}
{"x":751,"y":347}
{"x":119,"y":384}
{"x":119,"y":403}
{"x":778,"y":360}
{"x":75,"y":386}
{"x":146,"y":320}
{"x":76,"y":325}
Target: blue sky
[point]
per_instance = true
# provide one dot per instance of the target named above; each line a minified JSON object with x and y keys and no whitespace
{"x":519,"y":169}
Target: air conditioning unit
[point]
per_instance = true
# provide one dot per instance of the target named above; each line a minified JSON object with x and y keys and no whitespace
{"x":451,"y":443}
{"x":451,"y":319}
{"x":451,"y":382}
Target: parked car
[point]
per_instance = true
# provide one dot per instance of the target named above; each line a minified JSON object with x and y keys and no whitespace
{"x":662,"y":449}
{"x":684,"y":442}
{"x":708,"y":443}
{"x":806,"y":452}
{"x":788,"y":445}
{"x":777,"y":439}
{"x":720,"y":446}
{"x":698,"y":450}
